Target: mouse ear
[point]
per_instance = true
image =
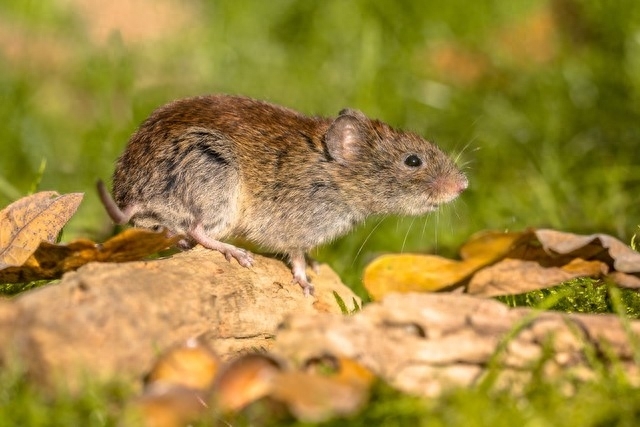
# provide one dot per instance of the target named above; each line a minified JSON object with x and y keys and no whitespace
{"x":350,"y":112}
{"x":344,"y":137}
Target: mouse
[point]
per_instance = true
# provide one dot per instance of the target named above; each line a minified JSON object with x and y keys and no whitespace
{"x":213,"y":167}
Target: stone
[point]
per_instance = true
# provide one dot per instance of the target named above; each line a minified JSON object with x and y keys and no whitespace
{"x":110,"y":321}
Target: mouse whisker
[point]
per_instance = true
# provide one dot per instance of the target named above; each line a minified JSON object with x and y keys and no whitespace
{"x":424,"y":227}
{"x":436,"y":228}
{"x":365,"y":241}
{"x":406,"y":235}
{"x":458,"y":155}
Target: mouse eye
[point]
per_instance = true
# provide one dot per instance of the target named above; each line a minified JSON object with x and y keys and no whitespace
{"x":413,"y":161}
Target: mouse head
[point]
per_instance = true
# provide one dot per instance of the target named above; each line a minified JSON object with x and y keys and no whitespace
{"x":390,"y":171}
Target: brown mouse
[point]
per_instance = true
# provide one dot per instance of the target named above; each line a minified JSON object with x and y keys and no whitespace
{"x":219,"y":166}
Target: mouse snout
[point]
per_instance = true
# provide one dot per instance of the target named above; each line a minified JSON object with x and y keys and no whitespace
{"x":447,"y":188}
{"x":461,"y":184}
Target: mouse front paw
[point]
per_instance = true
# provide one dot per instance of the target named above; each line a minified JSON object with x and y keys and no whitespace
{"x":298,"y":269}
{"x":307,"y":287}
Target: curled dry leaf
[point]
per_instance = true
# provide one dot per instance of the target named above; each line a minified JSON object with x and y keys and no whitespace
{"x":192,"y":365}
{"x":630,"y":281}
{"x":31,"y":220}
{"x":244,"y":381}
{"x":177,"y":389}
{"x":321,"y":393}
{"x":494,"y":263}
{"x":50,"y":260}
{"x":341,"y":369}
{"x":515,"y":276}
{"x":326,"y":387}
{"x":599,"y":246}
{"x":166,"y":406}
{"x":427,"y":273}
{"x":412,"y":273}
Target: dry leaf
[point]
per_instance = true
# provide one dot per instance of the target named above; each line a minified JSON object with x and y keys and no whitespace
{"x":495,"y":263}
{"x":428,"y":273}
{"x":177,"y":389}
{"x":486,"y":247}
{"x":314,"y":397}
{"x":192,"y":365}
{"x":244,"y":381}
{"x":624,"y":258}
{"x":624,"y":280}
{"x":342,"y":370}
{"x":50,"y":261}
{"x":162,"y":406}
{"x":412,"y":273}
{"x":31,"y":220}
{"x":514,"y":276}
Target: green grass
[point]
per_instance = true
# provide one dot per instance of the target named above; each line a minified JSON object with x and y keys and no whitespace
{"x":548,"y":133}
{"x":552,"y":142}
{"x":24,"y":404}
{"x":584,"y":295}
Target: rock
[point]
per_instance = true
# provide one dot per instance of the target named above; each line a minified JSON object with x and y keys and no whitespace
{"x":108,"y":321}
{"x":427,"y":343}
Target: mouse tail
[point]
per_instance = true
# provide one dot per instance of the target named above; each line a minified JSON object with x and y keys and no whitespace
{"x":115,"y":213}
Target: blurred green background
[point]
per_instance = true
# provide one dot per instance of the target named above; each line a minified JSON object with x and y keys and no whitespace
{"x":541,"y":99}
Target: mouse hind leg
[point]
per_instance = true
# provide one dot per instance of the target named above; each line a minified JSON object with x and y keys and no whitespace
{"x":212,"y":192}
{"x":244,"y":258}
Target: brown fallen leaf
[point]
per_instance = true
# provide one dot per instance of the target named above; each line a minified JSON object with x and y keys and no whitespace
{"x":629,"y":281}
{"x":623,"y":258}
{"x":166,"y":406}
{"x":50,"y":260}
{"x":193,"y":365}
{"x":428,"y":273}
{"x":31,"y":220}
{"x":495,"y":263}
{"x":327,"y":386}
{"x":486,"y":247}
{"x":312,"y":396}
{"x":245,"y":380}
{"x":341,"y":369}
{"x":514,"y":276}
{"x":178,"y":388}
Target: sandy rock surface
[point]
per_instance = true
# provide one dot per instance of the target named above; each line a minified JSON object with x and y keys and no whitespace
{"x":425,"y":343}
{"x":112,"y":320}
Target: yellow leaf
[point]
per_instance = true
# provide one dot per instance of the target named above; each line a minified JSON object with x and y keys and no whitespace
{"x":429,"y":273}
{"x":486,"y":247}
{"x":408,"y":273}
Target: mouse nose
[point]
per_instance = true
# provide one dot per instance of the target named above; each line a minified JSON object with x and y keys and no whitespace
{"x":447,"y":188}
{"x":462,"y":184}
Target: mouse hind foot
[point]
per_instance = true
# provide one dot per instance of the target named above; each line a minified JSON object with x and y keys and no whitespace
{"x":299,"y":271}
{"x":244,"y":258}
